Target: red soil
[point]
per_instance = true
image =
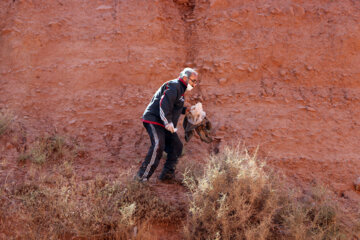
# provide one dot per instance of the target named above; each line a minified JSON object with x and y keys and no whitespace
{"x":279,"y":75}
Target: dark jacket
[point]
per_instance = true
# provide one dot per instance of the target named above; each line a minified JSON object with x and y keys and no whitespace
{"x":167,"y":104}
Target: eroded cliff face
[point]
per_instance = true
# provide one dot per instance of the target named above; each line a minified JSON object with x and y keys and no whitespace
{"x":88,"y":67}
{"x":282,"y":75}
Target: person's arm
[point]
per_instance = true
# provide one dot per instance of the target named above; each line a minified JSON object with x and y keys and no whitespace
{"x":186,"y":108}
{"x":167,"y":102}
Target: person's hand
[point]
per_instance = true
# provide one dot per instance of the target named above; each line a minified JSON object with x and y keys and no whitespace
{"x":188,"y":107}
{"x":170,"y":127}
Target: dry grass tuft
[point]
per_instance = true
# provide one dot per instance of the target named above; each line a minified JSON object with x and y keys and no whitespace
{"x":59,"y":206}
{"x":236,"y":198}
{"x":5,"y":121}
{"x":151,"y":207}
{"x":53,"y":148}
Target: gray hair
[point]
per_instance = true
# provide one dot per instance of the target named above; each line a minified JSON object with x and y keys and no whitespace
{"x":187,"y":72}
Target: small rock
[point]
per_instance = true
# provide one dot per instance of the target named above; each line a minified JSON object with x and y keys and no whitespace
{"x":309,"y":68}
{"x":310,"y":109}
{"x":104,"y":7}
{"x":291,"y":11}
{"x":135,"y":231}
{"x":301,"y":107}
{"x":190,"y":20}
{"x":222,"y":128}
{"x":222,"y":81}
{"x":300,"y":11}
{"x":72,"y":121}
{"x":207,"y":68}
{"x":241,"y":68}
{"x":357,"y":184}
{"x":54,"y":24}
{"x":108,"y":124}
{"x":189,"y":64}
{"x":282,"y":72}
{"x":351,"y":195}
{"x":275,"y":11}
{"x":9,"y":146}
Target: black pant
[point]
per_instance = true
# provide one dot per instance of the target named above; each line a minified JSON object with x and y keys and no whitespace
{"x":161,"y":139}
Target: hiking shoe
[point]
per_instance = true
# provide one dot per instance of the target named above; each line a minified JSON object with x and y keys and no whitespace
{"x":167,"y":176}
{"x":139,"y":179}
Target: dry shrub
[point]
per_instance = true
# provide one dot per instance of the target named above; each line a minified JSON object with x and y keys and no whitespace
{"x":188,"y":169}
{"x":51,"y":148}
{"x":151,"y":207}
{"x":236,"y":198}
{"x":312,"y":214}
{"x":5,"y":121}
{"x":57,"y":206}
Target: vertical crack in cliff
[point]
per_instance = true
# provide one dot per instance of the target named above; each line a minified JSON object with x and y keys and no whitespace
{"x":114,"y":12}
{"x":186,"y":10}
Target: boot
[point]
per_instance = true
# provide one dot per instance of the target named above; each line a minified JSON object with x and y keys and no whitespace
{"x":137,"y":178}
{"x":167,"y":176}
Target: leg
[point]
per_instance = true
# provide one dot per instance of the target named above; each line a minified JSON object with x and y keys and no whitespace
{"x":151,"y":161}
{"x":174,"y":147}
